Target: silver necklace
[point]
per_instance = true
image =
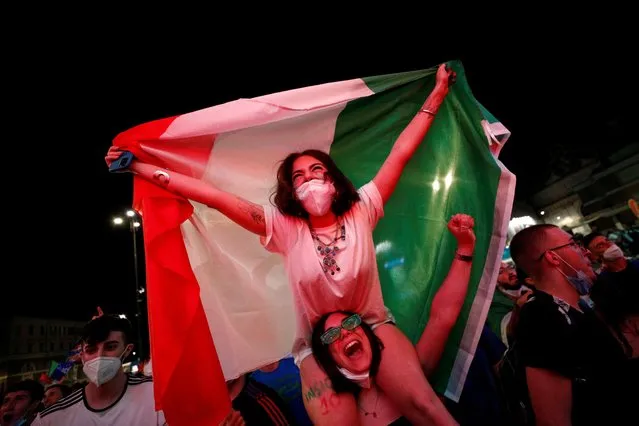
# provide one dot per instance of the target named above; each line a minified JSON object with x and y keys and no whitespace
{"x":330,"y":250}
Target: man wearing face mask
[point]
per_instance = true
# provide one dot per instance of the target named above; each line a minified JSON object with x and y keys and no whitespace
{"x":111,"y":397}
{"x":558,"y":340}
{"x":609,"y":254}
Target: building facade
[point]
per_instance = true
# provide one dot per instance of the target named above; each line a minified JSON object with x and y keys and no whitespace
{"x":30,"y":345}
{"x":593,"y":198}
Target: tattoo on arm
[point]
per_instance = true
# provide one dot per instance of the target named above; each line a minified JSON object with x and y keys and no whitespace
{"x":251,"y":209}
{"x":322,"y":391}
{"x":328,"y":402}
{"x":317,"y":389}
{"x":161,"y":177}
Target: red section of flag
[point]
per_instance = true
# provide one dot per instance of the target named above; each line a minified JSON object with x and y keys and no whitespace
{"x":188,"y":380}
{"x":188,"y":156}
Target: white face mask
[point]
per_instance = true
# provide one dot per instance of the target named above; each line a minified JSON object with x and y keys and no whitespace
{"x":316,"y":196}
{"x":613,"y":253}
{"x":363,"y":380}
{"x":102,"y":369}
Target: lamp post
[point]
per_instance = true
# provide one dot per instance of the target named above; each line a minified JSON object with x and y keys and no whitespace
{"x":134,"y":224}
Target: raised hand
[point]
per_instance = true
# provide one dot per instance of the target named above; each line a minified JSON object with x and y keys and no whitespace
{"x":461,"y":226}
{"x":113,"y":154}
{"x":523,"y":298}
{"x":100,"y":313}
{"x":445,"y":76}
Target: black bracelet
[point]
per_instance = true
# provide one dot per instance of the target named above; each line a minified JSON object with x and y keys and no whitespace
{"x":463,"y":257}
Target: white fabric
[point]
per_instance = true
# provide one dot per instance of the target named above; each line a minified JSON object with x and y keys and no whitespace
{"x":243,"y":287}
{"x":503,"y":328}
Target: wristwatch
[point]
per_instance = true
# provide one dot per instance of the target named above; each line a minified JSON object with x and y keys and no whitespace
{"x":463,"y":257}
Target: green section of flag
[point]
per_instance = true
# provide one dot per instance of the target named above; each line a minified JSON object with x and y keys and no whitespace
{"x":500,"y":306}
{"x":416,"y":247}
{"x":487,"y":115}
{"x":381,"y":83}
{"x":52,"y":368}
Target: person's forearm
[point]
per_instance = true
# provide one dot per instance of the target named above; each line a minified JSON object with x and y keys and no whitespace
{"x":436,"y":98}
{"x":444,"y":311}
{"x":179,"y":184}
{"x":410,"y":139}
{"x":245,"y":213}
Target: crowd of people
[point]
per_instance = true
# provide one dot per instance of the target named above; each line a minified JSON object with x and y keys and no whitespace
{"x":572,"y":338}
{"x":559,"y":347}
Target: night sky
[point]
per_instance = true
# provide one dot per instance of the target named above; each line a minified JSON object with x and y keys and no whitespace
{"x":65,"y":256}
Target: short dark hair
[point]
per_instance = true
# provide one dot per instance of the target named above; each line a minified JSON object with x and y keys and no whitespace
{"x":521,"y":275}
{"x":588,"y":238}
{"x":64,"y":389}
{"x":525,"y":246}
{"x":326,"y":362}
{"x":284,"y":196}
{"x":35,"y":389}
{"x":97,"y":330}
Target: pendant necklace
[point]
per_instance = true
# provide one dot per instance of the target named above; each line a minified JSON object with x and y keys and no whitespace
{"x":374,"y":412}
{"x":330,"y":250}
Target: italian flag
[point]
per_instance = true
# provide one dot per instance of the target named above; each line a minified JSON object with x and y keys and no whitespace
{"x":220,"y":305}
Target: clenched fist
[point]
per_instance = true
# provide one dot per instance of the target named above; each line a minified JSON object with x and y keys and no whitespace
{"x":461,"y":226}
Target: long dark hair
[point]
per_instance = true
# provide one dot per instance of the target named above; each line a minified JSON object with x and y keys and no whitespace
{"x":326,"y":362}
{"x":284,"y":196}
{"x":616,"y":298}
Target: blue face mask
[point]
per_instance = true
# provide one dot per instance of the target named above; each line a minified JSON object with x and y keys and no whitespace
{"x":586,"y":303}
{"x":581,"y":282}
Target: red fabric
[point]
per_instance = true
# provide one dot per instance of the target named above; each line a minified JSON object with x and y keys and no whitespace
{"x":186,"y":156}
{"x":188,"y":381}
{"x":45,"y":379}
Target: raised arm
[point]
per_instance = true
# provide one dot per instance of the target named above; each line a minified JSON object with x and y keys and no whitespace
{"x":450,"y":297}
{"x":409,"y":140}
{"x":246,"y":214}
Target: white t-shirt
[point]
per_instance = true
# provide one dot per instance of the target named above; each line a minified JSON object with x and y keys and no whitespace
{"x":354,"y":288}
{"x":136,"y":407}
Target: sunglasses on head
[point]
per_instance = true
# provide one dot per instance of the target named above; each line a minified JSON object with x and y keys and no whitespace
{"x":334,"y":333}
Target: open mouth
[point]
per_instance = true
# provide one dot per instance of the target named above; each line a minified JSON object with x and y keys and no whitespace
{"x":353,"y":349}
{"x":7,"y":417}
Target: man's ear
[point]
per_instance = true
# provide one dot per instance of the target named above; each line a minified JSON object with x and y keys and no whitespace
{"x":552,"y":258}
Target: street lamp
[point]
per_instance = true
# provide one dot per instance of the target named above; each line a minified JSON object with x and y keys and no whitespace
{"x":134,"y":224}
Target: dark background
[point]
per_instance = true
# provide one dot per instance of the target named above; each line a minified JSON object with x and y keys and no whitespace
{"x":71,"y":95}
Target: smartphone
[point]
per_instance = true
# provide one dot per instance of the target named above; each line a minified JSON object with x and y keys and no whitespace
{"x":122,"y":163}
